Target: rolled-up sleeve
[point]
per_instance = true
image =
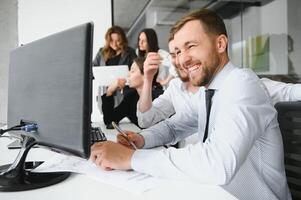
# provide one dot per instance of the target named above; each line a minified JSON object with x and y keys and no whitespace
{"x":161,"y":109}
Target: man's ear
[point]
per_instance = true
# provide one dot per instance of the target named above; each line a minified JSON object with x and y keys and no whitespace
{"x":222,"y":43}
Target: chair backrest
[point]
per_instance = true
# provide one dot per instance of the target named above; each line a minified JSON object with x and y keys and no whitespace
{"x":289,"y":118}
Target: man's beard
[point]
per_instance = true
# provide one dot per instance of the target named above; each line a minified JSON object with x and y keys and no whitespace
{"x":206,"y":75}
{"x":183,"y":78}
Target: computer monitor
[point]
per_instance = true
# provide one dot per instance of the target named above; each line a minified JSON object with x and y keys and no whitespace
{"x":50,"y":85}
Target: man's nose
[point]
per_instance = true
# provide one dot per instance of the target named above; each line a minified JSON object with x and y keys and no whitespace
{"x":184,"y":59}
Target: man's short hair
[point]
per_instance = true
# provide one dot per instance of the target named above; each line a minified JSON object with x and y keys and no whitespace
{"x":212,"y":22}
{"x":171,"y":35}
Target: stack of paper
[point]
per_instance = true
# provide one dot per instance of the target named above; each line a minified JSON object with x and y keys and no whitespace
{"x":128,"y":180}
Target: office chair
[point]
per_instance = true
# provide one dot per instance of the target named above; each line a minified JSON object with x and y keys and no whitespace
{"x":289,"y":118}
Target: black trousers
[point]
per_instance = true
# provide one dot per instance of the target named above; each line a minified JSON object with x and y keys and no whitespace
{"x":127,"y":108}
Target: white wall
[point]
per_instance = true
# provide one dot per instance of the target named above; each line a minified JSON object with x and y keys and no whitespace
{"x":8,"y":40}
{"x":161,"y":19}
{"x":39,"y":18}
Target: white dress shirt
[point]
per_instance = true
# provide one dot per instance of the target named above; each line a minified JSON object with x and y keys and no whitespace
{"x":174,"y":99}
{"x":282,"y":91}
{"x":243,"y":152}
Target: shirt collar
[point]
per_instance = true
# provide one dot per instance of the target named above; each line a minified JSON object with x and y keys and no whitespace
{"x":184,"y":86}
{"x":220,"y":76}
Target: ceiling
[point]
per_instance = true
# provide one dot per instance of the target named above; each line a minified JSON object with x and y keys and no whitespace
{"x":127,"y":12}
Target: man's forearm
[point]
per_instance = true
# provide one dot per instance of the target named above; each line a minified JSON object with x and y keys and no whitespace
{"x":145,"y":99}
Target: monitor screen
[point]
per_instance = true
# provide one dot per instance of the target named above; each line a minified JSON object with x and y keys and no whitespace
{"x":50,"y":85}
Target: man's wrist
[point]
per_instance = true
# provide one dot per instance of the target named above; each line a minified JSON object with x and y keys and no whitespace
{"x":143,"y":141}
{"x":129,"y":160}
{"x":148,"y":80}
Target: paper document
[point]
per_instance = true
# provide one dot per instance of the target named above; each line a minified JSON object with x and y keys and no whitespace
{"x":105,"y":75}
{"x":128,"y":180}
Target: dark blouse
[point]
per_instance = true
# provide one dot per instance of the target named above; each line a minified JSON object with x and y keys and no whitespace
{"x":126,"y":58}
{"x":114,"y":60}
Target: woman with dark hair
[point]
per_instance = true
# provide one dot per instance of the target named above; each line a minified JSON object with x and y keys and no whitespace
{"x":128,"y":106}
{"x":116,"y":50}
{"x":148,"y":42}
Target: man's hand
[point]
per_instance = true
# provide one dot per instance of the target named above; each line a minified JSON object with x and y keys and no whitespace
{"x":110,"y":155}
{"x":136,"y":138}
{"x":151,"y":65}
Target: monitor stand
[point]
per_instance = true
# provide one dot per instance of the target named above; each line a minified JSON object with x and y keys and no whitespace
{"x":17,"y":144}
{"x":18,"y":176}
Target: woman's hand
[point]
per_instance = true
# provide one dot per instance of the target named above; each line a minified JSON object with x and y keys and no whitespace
{"x":121,"y":83}
{"x":117,"y":84}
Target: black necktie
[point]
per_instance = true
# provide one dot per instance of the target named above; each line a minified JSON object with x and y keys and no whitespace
{"x":209,"y":95}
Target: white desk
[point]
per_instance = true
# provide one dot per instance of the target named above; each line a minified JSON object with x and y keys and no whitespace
{"x":80,"y":187}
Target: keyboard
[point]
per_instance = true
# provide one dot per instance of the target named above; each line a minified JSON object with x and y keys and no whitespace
{"x":97,"y":135}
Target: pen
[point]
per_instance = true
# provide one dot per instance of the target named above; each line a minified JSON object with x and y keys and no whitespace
{"x":124,"y":134}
